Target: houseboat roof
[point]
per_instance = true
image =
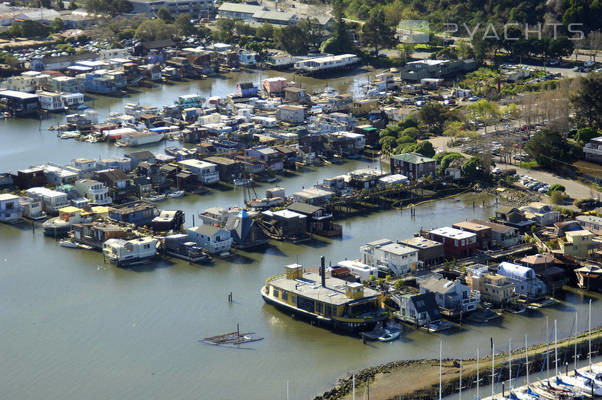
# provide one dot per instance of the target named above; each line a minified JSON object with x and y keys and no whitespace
{"x":8,"y":196}
{"x":452,"y":233}
{"x":421,"y":242}
{"x":471,"y":226}
{"x":309,"y":286}
{"x":412,"y":158}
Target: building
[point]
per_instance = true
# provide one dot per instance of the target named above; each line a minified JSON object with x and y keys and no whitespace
{"x":96,"y":192}
{"x":593,"y":150}
{"x":168,"y":221}
{"x":495,"y":289}
{"x":286,"y":224}
{"x":578,"y":244}
{"x":483,"y":232}
{"x":51,"y":101}
{"x":276,"y":17}
{"x":137,"y":213}
{"x":245,"y":231}
{"x":526,"y":284}
{"x":269,"y":156}
{"x":118,"y":183}
{"x":312,"y":196}
{"x":545,"y":269}
{"x":96,"y":233}
{"x":291,"y":113}
{"x":542,"y":214}
{"x":10,"y":209}
{"x":126,"y":252}
{"x":456,"y":243}
{"x":20,"y":104}
{"x":276,"y":85}
{"x":512,"y":216}
{"x":415,"y":71}
{"x":52,"y":200}
{"x":359,"y":269}
{"x":240,"y":11}
{"x":196,"y":8}
{"x":590,"y":222}
{"x":430,"y":252}
{"x":453,"y":297}
{"x":318,"y":220}
{"x":392,"y":258}
{"x":214,"y":239}
{"x":206,"y":172}
{"x":31,"y":208}
{"x":419,"y":309}
{"x":502,"y":236}
{"x":246,"y":89}
{"x":412,"y":165}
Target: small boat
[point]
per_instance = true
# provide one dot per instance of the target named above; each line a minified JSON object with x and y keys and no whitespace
{"x":176,"y":195}
{"x":516,"y":308}
{"x":241,"y":181}
{"x":155,"y":197}
{"x":68,"y":243}
{"x":69,"y":135}
{"x":389,"y":336}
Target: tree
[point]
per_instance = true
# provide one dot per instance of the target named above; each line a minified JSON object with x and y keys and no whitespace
{"x":290,"y":38}
{"x":28,"y":29}
{"x":387,"y":144}
{"x":57,"y":25}
{"x":433,"y":116}
{"x":164,"y":15}
{"x":225,"y":29}
{"x":112,"y":7}
{"x":265,"y":31}
{"x":60,"y":5}
{"x":556,"y":187}
{"x":412,"y":132}
{"x":425,"y":148}
{"x":154,"y":29}
{"x":557,"y":197}
{"x":551,"y":150}
{"x":376,"y":32}
{"x":586,"y":134}
{"x":473,"y":169}
{"x":340,"y":42}
{"x":183,"y":25}
{"x":560,"y":47}
{"x":588,"y":101}
{"x":313,"y":32}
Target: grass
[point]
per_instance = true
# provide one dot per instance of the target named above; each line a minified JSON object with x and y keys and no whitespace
{"x":528,"y":164}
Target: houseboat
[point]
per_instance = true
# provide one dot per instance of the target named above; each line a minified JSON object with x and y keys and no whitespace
{"x":589,"y":277}
{"x":314,"y":66}
{"x":127,"y":252}
{"x":139,"y":139}
{"x":61,"y":225}
{"x":325,"y":301}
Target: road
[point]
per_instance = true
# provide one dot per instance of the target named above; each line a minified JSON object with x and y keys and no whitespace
{"x":574,"y":189}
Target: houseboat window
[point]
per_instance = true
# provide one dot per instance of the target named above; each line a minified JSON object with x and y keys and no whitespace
{"x":319,"y":307}
{"x":294,"y":299}
{"x":275,"y":292}
{"x":284,"y":295}
{"x":327,"y":310}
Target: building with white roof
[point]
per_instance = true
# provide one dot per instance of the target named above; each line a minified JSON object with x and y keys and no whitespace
{"x":390,"y":257}
{"x":456,"y":243}
{"x":526,"y":284}
{"x":207,"y":172}
{"x":51,"y":200}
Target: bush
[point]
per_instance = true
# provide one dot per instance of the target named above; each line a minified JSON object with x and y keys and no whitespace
{"x":556,"y":188}
{"x":557,"y":197}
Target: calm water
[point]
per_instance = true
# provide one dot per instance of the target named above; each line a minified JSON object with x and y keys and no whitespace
{"x":73,"y":327}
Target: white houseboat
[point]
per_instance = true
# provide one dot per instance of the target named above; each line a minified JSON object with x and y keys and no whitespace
{"x":134,"y":139}
{"x":127,"y":252}
{"x":314,"y":66}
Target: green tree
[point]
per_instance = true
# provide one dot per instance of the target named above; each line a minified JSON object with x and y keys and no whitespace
{"x":313,"y":33}
{"x":57,"y":25}
{"x":340,"y":42}
{"x":473,"y":169}
{"x":560,"y":47}
{"x":412,"y":132}
{"x":433,"y":115}
{"x":588,"y":101}
{"x":265,"y":31}
{"x":556,"y":188}
{"x":586,"y":134}
{"x":225,"y":30}
{"x":164,"y":15}
{"x":375,"y":32}
{"x":557,"y":197}
{"x":387,"y":143}
{"x":183,"y":25}
{"x":551,"y":150}
{"x":290,"y":38}
{"x":425,"y":148}
{"x":154,"y":29}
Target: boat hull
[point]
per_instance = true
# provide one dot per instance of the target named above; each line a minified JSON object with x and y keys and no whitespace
{"x":334,"y":325}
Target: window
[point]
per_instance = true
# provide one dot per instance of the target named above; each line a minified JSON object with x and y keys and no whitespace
{"x":284,"y":295}
{"x":319,"y":307}
{"x":275,"y":292}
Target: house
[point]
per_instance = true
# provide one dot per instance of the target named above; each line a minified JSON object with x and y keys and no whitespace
{"x":453,"y":297}
{"x":313,"y":196}
{"x":430,"y":252}
{"x":246,"y":89}
{"x":292,"y":114}
{"x":502,"y":236}
{"x":138,"y":213}
{"x":20,"y":104}
{"x":392,"y":258}
{"x":206,"y":172}
{"x":456,"y":243}
{"x":419,"y":309}
{"x":240,"y":11}
{"x":196,"y":8}
{"x":593,"y":150}
{"x":415,"y":71}
{"x":245,"y":231}
{"x":357,"y":141}
{"x":213,"y":239}
{"x":361,"y":270}
{"x":247,"y":58}
{"x":318,"y":220}
{"x":96,"y":192}
{"x":96,"y":233}
{"x":483,"y":232}
{"x":526,"y":284}
{"x":52,"y":200}
{"x":117,"y":182}
{"x":590,"y":222}
{"x":10,"y":209}
{"x":275,"y":17}
{"x":512,"y":216}
{"x":31,"y":208}
{"x":139,"y":156}
{"x":295,"y":95}
{"x":578,"y":244}
{"x":412,"y":165}
{"x":495,"y":289}
{"x":271,"y":157}
{"x":168,"y":221}
{"x":125,"y":252}
{"x":289,"y":156}
{"x":51,"y":101}
{"x":30,"y":177}
{"x":275,"y":85}
{"x":286,"y":224}
{"x":542,"y":214}
{"x":57,"y":175}
{"x":545,"y":269}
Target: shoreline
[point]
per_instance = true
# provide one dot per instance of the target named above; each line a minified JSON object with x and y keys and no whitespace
{"x":419,"y":379}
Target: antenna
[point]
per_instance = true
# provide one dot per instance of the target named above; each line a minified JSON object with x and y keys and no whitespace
{"x":478,"y":379}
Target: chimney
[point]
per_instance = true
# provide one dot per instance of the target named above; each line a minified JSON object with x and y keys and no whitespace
{"x":323,"y":271}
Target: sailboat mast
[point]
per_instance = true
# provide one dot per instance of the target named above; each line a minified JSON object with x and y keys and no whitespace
{"x":548,"y":348}
{"x":440,"y":367}
{"x":576,"y":332}
{"x":526,"y":360}
{"x":589,"y":335}
{"x":460,"y":394}
{"x":509,"y":363}
{"x":478,"y":373}
{"x":492,"y":369}
{"x":353,"y":387}
{"x":555,"y":348}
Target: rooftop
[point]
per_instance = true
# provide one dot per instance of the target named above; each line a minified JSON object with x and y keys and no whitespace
{"x":310,"y":286}
{"x":452,"y":233}
{"x":471,"y":226}
{"x":412,"y":158}
{"x":420,"y":242}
